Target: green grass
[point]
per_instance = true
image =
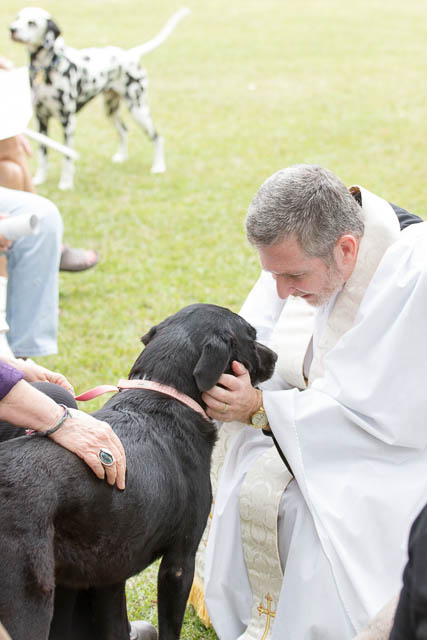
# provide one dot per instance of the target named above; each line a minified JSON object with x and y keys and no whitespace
{"x":240,"y":89}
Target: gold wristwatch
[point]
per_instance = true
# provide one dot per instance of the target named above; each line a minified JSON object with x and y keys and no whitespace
{"x":259,"y":419}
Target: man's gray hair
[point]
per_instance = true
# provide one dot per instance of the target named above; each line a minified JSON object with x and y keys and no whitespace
{"x":307,"y":202}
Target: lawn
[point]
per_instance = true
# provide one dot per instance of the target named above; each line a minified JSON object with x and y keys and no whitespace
{"x":239,"y":90}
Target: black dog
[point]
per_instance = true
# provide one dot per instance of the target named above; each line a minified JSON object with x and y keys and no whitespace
{"x":64,"y":531}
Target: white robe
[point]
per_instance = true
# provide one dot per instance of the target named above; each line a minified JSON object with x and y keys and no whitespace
{"x":356,"y":441}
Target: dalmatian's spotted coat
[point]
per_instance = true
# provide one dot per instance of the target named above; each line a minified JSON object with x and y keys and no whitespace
{"x":64,"y":79}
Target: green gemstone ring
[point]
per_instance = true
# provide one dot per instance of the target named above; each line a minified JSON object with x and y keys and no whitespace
{"x":106,"y":457}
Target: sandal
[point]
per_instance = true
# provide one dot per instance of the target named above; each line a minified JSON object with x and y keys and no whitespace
{"x":77,"y":259}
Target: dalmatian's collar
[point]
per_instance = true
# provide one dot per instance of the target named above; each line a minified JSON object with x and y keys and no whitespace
{"x":40,"y":72}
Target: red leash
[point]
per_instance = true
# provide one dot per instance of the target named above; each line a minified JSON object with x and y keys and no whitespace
{"x":96,"y":391}
{"x":143,"y":384}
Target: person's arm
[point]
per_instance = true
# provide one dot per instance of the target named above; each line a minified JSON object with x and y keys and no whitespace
{"x":25,"y":406}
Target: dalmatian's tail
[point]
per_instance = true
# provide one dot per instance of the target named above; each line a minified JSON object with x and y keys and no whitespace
{"x":142,"y":49}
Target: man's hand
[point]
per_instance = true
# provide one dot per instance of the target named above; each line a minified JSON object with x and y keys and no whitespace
{"x":237,"y":401}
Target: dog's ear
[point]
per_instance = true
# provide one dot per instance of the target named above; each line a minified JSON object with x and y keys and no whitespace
{"x":213,"y":361}
{"x":136,"y":371}
{"x":148,"y":336}
{"x":52,"y":32}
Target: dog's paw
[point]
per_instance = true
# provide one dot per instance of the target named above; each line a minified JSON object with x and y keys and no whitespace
{"x":119,"y":157}
{"x":66,"y":185}
{"x":158,"y":167}
{"x":39,"y":178}
{"x":159,"y":164}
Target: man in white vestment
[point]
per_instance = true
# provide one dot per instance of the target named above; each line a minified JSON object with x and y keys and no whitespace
{"x":346,"y":409}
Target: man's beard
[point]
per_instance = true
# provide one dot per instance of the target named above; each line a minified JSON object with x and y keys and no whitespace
{"x":335,"y":282}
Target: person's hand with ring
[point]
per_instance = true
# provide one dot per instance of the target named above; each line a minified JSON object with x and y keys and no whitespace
{"x":96,"y":443}
{"x":80,"y":433}
{"x":235,"y":399}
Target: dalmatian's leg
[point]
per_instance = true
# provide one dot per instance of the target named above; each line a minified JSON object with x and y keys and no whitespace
{"x":41,"y":172}
{"x":67,"y":177}
{"x":112,"y":104}
{"x":140,"y":111}
{"x":141,"y":114}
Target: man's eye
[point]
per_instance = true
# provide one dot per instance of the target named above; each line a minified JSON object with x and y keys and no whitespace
{"x":288,"y":276}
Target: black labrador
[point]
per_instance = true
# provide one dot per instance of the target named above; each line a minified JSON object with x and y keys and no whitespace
{"x":69,"y":541}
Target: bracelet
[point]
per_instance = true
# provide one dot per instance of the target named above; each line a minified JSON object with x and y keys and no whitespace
{"x":60,"y":422}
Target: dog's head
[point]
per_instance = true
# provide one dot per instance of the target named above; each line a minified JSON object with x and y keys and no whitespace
{"x":35,"y":28}
{"x":199,"y":343}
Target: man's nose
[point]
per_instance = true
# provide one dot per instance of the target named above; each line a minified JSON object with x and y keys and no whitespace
{"x":284,"y":289}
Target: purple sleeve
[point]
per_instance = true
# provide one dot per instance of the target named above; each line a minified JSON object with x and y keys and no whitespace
{"x":9,"y":376}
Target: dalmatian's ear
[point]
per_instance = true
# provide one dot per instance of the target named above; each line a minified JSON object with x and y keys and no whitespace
{"x":52,"y":32}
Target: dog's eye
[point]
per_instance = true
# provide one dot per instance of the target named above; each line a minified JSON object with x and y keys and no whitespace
{"x":31,"y":23}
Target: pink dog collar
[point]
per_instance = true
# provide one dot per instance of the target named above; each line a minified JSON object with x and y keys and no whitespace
{"x":143,"y":384}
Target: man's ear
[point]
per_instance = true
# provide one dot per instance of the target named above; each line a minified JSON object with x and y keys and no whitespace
{"x":52,"y":32}
{"x":345,"y":254}
{"x":213,"y":361}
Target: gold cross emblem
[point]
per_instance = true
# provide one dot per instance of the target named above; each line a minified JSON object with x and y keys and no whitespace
{"x":267,"y":612}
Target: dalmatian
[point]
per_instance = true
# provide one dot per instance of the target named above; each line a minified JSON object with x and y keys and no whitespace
{"x":64,"y":79}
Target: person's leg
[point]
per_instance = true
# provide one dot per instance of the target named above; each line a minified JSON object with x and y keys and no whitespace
{"x":5,"y":350}
{"x":15,"y":174}
{"x":14,"y":169}
{"x":11,"y":175}
{"x":33,"y":261}
{"x":308,"y":578}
